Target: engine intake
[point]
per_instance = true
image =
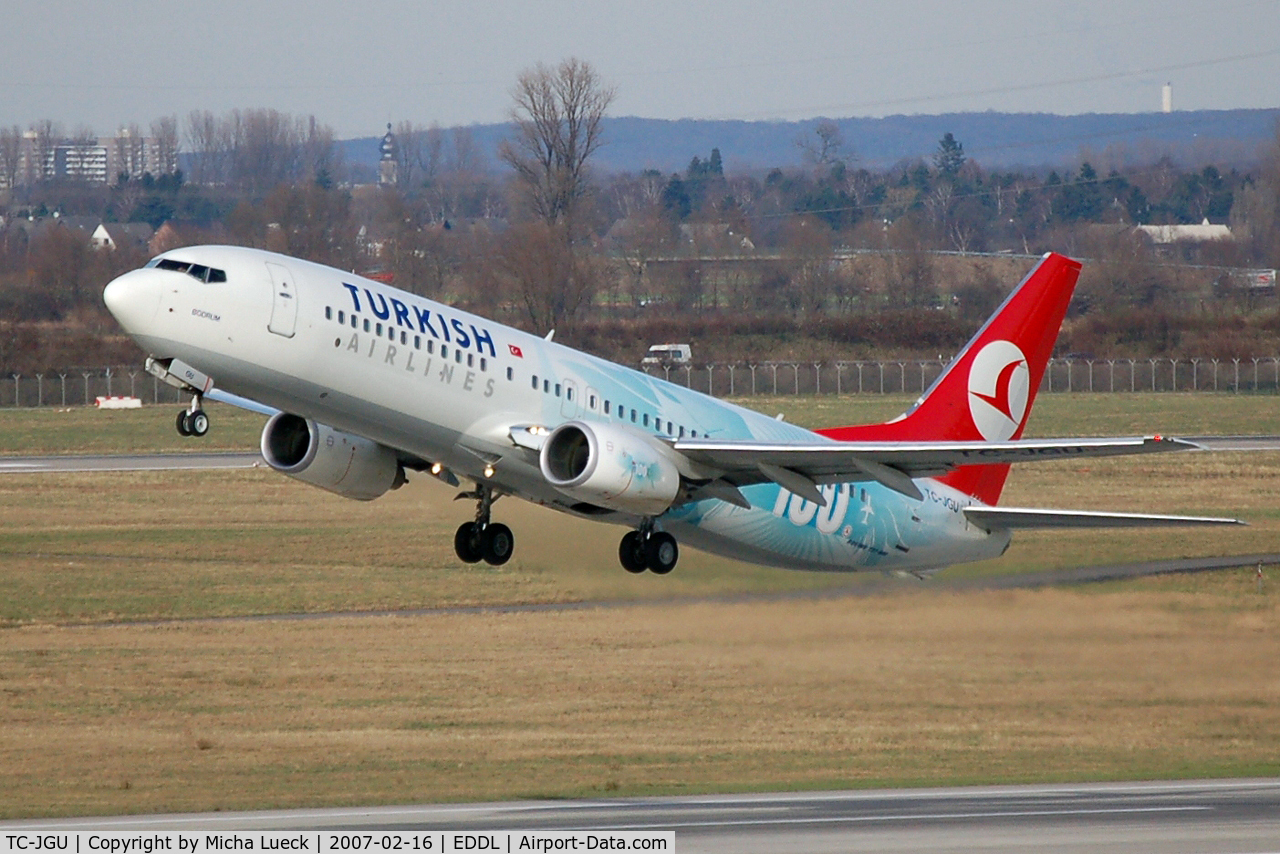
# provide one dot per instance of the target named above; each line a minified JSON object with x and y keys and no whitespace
{"x":348,"y":465}
{"x":611,"y":467}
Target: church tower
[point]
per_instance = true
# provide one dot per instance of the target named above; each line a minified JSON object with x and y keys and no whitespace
{"x":388,"y":166}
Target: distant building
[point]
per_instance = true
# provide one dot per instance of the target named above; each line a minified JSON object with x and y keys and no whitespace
{"x":1165,"y":234}
{"x":98,"y":160}
{"x":114,"y":235}
{"x":389,"y":164}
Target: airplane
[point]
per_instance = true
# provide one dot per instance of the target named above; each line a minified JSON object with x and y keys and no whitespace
{"x":364,"y":382}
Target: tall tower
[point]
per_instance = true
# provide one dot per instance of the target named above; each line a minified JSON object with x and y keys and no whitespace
{"x":389,"y":165}
{"x":1166,"y":98}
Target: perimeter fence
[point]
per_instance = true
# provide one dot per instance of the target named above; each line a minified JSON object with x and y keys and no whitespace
{"x":82,"y":386}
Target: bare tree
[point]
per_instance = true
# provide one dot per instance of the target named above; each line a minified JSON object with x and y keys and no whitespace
{"x":130,"y":152}
{"x":825,"y":146}
{"x":210,"y":144}
{"x":46,"y":135}
{"x":558,"y":115}
{"x":10,"y":155}
{"x":164,"y":131}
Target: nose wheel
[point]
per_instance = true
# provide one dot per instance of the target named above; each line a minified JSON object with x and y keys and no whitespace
{"x":482,"y":539}
{"x":193,"y":421}
{"x":655,"y":551}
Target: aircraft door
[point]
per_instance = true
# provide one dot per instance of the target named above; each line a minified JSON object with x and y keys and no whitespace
{"x":284,"y":301}
{"x":570,"y":405}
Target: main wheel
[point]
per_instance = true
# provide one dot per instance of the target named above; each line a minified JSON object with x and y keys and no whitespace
{"x":183,"y":424}
{"x":631,"y":553}
{"x":497,"y":543}
{"x":467,"y":543}
{"x":661,"y":553}
{"x":198,"y":423}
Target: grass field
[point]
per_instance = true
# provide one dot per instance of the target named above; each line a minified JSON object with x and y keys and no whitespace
{"x":1167,"y":677}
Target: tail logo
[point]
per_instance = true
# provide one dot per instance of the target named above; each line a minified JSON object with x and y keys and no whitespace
{"x":999,"y":382}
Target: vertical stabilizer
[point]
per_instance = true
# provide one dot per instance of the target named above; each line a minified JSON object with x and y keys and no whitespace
{"x":986,"y":392}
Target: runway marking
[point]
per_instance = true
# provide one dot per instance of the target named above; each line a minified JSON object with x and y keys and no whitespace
{"x":870,"y":819}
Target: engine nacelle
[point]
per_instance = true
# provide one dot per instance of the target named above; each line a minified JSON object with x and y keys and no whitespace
{"x":611,"y":467}
{"x":330,"y":459}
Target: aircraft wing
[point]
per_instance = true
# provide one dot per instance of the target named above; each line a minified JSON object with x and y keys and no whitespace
{"x":1011,"y":518}
{"x":799,"y":466}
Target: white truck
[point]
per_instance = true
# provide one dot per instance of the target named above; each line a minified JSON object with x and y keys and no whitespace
{"x":667,"y":356}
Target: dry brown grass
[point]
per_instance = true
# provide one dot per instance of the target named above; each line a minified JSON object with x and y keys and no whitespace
{"x":1168,"y":679}
{"x":1159,"y":678}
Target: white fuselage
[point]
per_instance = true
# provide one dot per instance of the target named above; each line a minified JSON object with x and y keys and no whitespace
{"x":447,"y":387}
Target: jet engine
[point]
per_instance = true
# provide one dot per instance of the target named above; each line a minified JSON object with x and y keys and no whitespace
{"x":330,"y":459}
{"x":611,"y":467}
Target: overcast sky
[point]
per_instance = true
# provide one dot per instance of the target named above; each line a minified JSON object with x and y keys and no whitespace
{"x":358,"y":64}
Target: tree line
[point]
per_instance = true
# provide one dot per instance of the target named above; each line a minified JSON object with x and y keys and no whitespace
{"x":810,"y":254}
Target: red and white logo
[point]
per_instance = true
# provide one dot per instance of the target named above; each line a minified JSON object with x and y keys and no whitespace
{"x":515,"y":351}
{"x":999,"y":385}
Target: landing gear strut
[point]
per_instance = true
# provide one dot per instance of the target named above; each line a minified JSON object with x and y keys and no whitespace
{"x":648,"y":549}
{"x":491,"y":542}
{"x":193,"y":421}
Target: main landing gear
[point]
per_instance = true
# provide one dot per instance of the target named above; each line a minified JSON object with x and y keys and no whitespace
{"x":648,"y":549}
{"x":482,"y":539}
{"x":193,"y":421}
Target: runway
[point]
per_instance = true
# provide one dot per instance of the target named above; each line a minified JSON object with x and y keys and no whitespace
{"x":1173,"y":817}
{"x":130,"y":462}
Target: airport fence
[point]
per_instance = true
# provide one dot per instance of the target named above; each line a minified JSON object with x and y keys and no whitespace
{"x":82,"y":386}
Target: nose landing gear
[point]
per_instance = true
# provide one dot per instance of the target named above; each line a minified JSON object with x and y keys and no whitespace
{"x":193,"y":421}
{"x":482,"y":539}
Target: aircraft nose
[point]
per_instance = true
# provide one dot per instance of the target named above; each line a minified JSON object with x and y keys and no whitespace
{"x":133,"y":299}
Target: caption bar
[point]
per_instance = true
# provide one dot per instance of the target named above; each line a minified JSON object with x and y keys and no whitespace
{"x":378,"y":841}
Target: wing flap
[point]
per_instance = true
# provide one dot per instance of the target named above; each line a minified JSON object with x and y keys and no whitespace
{"x":1013,"y":518}
{"x":829,"y":461}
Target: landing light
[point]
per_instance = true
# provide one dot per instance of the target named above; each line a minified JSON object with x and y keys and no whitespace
{"x":436,"y":468}
{"x":488,"y":471}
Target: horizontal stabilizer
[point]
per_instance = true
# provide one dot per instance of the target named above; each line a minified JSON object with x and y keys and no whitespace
{"x":1010,"y":518}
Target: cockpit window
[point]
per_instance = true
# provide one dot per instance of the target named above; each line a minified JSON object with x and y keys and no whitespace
{"x":198,"y":272}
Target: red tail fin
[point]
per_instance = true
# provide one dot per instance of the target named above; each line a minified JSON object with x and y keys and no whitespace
{"x":987,"y":391}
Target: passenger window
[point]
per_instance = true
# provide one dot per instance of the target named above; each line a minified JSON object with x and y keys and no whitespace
{"x":557,"y":389}
{"x":342,"y":317}
{"x":417,"y":342}
{"x":444,"y":352}
{"x":484,"y":364}
{"x":511,"y":373}
{"x":328,"y":312}
{"x":366,"y":325}
{"x":646,"y":419}
{"x":431,"y":347}
{"x":535,"y":381}
{"x":471,"y":360}
{"x":606,"y":407}
{"x":379,"y":330}
{"x":568,"y":393}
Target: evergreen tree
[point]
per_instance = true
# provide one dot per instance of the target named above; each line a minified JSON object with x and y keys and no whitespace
{"x":949,"y":157}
